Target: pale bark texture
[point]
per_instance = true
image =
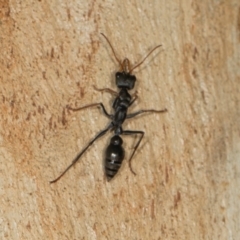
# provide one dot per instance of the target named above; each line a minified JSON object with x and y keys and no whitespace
{"x":188,"y":163}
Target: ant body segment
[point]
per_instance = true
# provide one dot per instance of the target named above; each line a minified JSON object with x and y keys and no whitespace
{"x":114,"y":155}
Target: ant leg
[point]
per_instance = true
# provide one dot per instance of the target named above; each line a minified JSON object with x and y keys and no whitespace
{"x":106,"y":90}
{"x":92,"y":105}
{"x":131,"y":115}
{"x":100,"y":134}
{"x":136,"y":146}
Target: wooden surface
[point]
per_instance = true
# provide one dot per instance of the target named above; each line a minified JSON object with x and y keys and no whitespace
{"x":188,"y":168}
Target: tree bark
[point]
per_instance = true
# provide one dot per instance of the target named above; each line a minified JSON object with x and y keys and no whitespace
{"x":187,"y":165}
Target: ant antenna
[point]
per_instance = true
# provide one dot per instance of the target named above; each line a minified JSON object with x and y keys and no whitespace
{"x":124,"y":62}
{"x":144,"y":58}
{"x":113,"y":50}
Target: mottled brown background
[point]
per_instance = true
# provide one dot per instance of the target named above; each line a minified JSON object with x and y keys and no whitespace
{"x":188,"y":164}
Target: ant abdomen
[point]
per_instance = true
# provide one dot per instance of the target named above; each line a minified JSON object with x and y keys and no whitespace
{"x":114,"y":157}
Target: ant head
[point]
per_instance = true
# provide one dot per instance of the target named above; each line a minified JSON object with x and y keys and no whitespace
{"x":125,"y":80}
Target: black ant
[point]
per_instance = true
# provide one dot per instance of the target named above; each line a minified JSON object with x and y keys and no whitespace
{"x":115,"y":153}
